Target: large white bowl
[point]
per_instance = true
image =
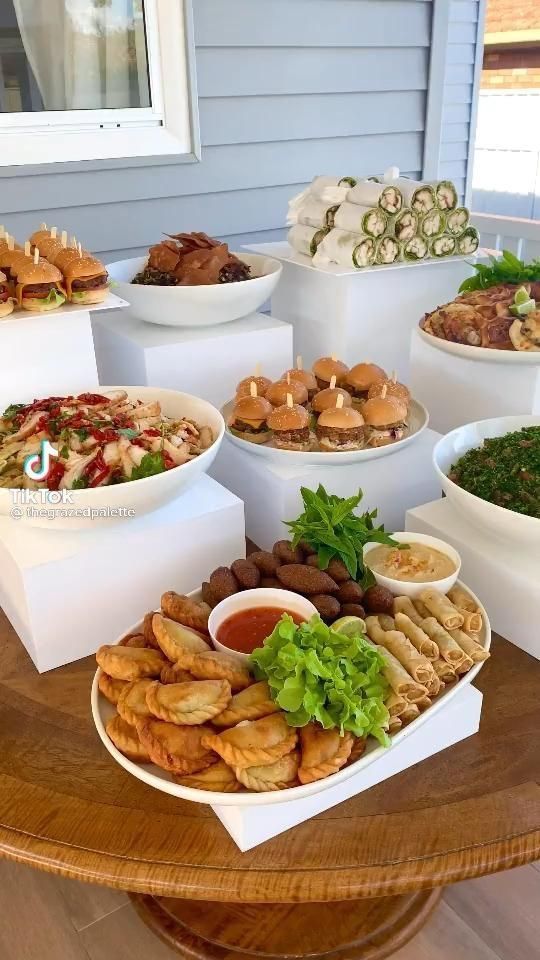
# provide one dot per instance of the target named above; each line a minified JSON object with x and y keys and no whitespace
{"x":501,"y":523}
{"x":102,"y":711}
{"x":408,"y":588}
{"x":196,"y":306}
{"x":142,"y":496}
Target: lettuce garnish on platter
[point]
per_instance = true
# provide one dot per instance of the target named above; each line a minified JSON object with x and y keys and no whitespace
{"x":316,"y":673}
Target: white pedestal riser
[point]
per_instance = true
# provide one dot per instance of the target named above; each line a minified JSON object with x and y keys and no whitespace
{"x":205,"y":361}
{"x":460,"y":719}
{"x":456,"y":390}
{"x":67,"y":594}
{"x":499,"y":573}
{"x":271,"y":493}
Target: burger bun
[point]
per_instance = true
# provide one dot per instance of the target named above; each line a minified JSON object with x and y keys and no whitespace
{"x":325,"y":368}
{"x":325,"y":399}
{"x":384,"y":411}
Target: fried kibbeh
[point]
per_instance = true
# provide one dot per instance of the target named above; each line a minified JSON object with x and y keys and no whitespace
{"x":286,"y":553}
{"x":300,"y":578}
{"x":267,"y":563}
{"x":110,"y":688}
{"x":327,"y":607}
{"x":172,"y":673}
{"x":126,"y":740}
{"x":323,"y":752}
{"x":250,"y":704}
{"x":216,"y":666}
{"x":132,"y":705}
{"x":218,"y":777}
{"x":130,"y":663}
{"x":335,"y":569}
{"x":185,"y":610}
{"x":274,"y":776}
{"x":246,"y":573}
{"x":188,"y":704}
{"x":223,"y":583}
{"x":253,"y":743}
{"x":176,"y":749}
{"x":173,"y":638}
{"x":209,"y":595}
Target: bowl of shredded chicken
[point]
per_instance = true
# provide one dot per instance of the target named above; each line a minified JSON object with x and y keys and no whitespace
{"x":105,"y":456}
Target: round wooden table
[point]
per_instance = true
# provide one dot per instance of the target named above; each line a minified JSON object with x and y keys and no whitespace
{"x":357,"y":882}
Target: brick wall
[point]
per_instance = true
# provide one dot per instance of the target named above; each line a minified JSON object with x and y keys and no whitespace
{"x":512,"y":66}
{"x":503,"y":16}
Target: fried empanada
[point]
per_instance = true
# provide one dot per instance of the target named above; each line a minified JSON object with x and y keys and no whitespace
{"x":275,"y":776}
{"x":126,"y":740}
{"x":172,"y":673}
{"x":176,"y":640}
{"x":110,"y":688}
{"x":130,"y":663}
{"x":323,"y":752}
{"x":132,"y":705}
{"x":177,"y":749}
{"x":358,"y":749}
{"x":133,"y":640}
{"x":214,"y":665}
{"x":218,"y":777}
{"x":192,"y":613}
{"x":188,"y":704}
{"x":148,"y":632}
{"x":250,"y":704}
{"x":254,"y":743}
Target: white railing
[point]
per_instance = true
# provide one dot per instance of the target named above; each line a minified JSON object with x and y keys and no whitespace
{"x":520,"y":236}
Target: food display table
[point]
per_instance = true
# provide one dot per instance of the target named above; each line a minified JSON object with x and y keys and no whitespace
{"x":458,"y":389}
{"x":357,"y":882}
{"x":190,"y":359}
{"x":369,"y":313}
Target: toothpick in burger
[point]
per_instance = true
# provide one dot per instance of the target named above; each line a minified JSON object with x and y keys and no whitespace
{"x":87,"y":281}
{"x":39,"y":286}
{"x":290,"y":425}
{"x":393,"y":389}
{"x":6,"y":302}
{"x":386,"y":420}
{"x":325,"y":399}
{"x":360,"y":378}
{"x":249,"y":418}
{"x":244,"y":387}
{"x":306,"y":377}
{"x":277,"y":392}
{"x":327,"y":367}
{"x":340,"y":428}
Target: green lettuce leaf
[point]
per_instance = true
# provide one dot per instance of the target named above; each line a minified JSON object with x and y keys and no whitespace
{"x":150,"y":465}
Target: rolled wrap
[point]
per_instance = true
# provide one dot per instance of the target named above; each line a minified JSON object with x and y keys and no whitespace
{"x":346,"y":249}
{"x":400,"y":646}
{"x":361,"y":219}
{"x":448,"y":648}
{"x":418,"y":637}
{"x":372,"y":194}
{"x":442,"y":608}
{"x":306,"y":239}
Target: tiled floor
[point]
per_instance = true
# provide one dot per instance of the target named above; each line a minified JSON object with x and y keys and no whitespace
{"x":43,"y":917}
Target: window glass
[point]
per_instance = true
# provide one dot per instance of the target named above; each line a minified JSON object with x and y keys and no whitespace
{"x":72,"y":55}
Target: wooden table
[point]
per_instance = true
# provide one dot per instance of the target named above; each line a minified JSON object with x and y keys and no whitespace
{"x":356,"y":882}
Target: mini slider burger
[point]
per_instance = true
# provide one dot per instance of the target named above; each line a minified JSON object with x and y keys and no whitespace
{"x":277,"y":392}
{"x":386,"y":420}
{"x":340,"y":428}
{"x":391,"y":388}
{"x":325,"y":399}
{"x":87,"y":281}
{"x":38,"y":285}
{"x":290,"y":424}
{"x":10,"y":257}
{"x":249,"y":418}
{"x":6,"y":302}
{"x":327,"y":367}
{"x":360,"y":378}
{"x":244,"y":387}
{"x":306,"y":377}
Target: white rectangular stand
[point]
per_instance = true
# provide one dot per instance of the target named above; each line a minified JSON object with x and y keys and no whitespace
{"x":457,"y":390}
{"x":460,"y":719}
{"x":364,"y":315}
{"x":205,"y":361}
{"x":271,"y":493}
{"x":507,"y":581}
{"x":67,"y":594}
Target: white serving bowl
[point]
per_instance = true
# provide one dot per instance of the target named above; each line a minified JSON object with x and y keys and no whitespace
{"x":406,"y":588}
{"x":144,"y":495}
{"x":501,"y":523}
{"x":248,"y":599}
{"x":196,"y":306}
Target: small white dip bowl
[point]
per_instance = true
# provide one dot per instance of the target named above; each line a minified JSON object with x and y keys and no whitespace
{"x":404,"y":588}
{"x":248,"y":599}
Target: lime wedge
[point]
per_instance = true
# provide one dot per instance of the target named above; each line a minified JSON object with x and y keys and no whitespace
{"x":522,"y":309}
{"x":350,"y":626}
{"x":521,"y":296}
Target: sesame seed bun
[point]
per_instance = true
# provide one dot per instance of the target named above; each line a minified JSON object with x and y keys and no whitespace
{"x":41,"y":272}
{"x":363,"y":375}
{"x":83,"y":268}
{"x":252,"y":408}
{"x":65,"y":256}
{"x":325,"y":368}
{"x":325,"y":399}
{"x":393,"y":389}
{"x":303,"y":376}
{"x":288,"y":418}
{"x":244,"y":387}
{"x":341,"y":418}
{"x":277,"y":392}
{"x":383,"y":412}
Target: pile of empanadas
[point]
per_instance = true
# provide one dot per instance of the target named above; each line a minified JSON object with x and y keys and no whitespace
{"x":200,"y":715}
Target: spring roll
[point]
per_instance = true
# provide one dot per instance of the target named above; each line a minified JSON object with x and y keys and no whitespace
{"x":444,"y":671}
{"x":424,"y":703}
{"x":470,"y":646}
{"x":421,"y":609}
{"x":436,"y":685}
{"x":418,"y":666}
{"x":386,"y":622}
{"x":406,"y":606}
{"x":448,"y":648}
{"x":411,"y":712}
{"x":395,"y":704}
{"x":468,"y":607}
{"x":442,"y":609}
{"x":394,"y":725}
{"x":397,"y":677}
{"x":418,"y":637}
{"x":374,"y":630}
{"x":306,"y":239}
{"x":361,"y":219}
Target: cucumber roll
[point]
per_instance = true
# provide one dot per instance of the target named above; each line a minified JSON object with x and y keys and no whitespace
{"x":444,"y":246}
{"x":387,"y":250}
{"x":432,"y":224}
{"x":445,"y":195}
{"x":405,"y":225}
{"x":306,"y":239}
{"x":415,"y":249}
{"x":357,"y":219}
{"x":368,"y":193}
{"x":469,"y":241}
{"x":457,"y":221}
{"x":346,"y":249}
{"x":317,"y":213}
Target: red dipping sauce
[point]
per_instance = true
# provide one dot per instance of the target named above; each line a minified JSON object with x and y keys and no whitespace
{"x":246,"y":630}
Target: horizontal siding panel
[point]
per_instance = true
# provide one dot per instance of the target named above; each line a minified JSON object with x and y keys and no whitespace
{"x":456,"y":113}
{"x":454,"y":151}
{"x":251,"y":120}
{"x":319,"y":23}
{"x":460,"y":53}
{"x":453,"y":170}
{"x":223,"y":73}
{"x":464,"y":11}
{"x":223,"y":168}
{"x":462,"y":32}
{"x":455,"y":133}
{"x":458,"y":93}
{"x":459,"y":73}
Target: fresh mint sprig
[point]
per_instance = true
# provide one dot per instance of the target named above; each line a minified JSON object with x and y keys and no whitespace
{"x":504,"y":269}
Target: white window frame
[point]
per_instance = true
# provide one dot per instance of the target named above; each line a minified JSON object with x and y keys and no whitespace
{"x":169,"y":127}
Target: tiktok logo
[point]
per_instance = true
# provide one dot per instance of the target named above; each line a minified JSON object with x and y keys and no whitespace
{"x":37,"y":465}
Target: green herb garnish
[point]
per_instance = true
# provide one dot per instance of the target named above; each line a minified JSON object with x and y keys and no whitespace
{"x":150,"y":465}
{"x":315,"y":673}
{"x":82,"y":434}
{"x":505,"y":269}
{"x":64,"y":452}
{"x":12,"y":411}
{"x":331,"y":527}
{"x":505,"y":471}
{"x":80,"y":483}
